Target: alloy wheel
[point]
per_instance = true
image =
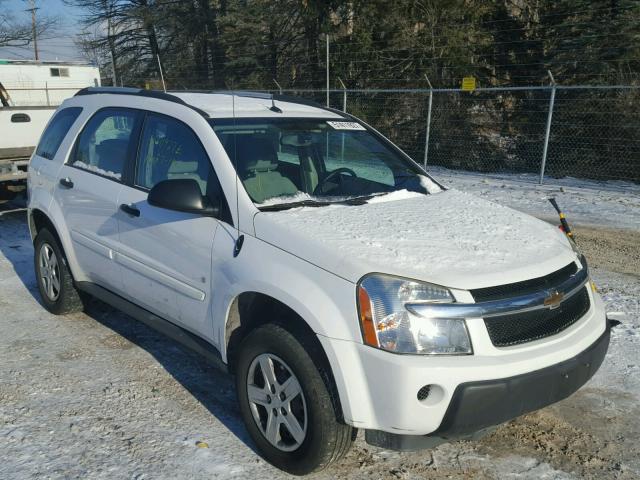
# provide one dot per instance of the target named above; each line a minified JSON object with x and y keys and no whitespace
{"x":49,"y":272}
{"x":277,"y":402}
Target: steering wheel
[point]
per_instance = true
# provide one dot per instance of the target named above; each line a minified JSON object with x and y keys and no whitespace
{"x":335,"y":173}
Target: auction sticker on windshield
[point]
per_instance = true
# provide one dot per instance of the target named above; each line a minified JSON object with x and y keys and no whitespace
{"x":346,"y":126}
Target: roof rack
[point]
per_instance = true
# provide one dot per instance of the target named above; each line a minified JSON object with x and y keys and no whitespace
{"x":259,"y":94}
{"x":173,"y":98}
{"x":241,"y":93}
{"x":140,"y":93}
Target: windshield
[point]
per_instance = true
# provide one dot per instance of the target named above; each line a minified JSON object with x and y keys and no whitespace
{"x":289,"y":162}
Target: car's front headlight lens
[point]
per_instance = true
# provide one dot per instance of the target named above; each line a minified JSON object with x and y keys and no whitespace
{"x":387,"y":324}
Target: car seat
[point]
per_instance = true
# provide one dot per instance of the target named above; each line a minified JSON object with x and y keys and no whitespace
{"x":111,"y":154}
{"x":257,"y":164}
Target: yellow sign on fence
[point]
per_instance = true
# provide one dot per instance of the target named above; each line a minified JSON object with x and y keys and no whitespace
{"x":468,"y":84}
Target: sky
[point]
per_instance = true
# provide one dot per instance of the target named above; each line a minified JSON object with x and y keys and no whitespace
{"x":61,"y":44}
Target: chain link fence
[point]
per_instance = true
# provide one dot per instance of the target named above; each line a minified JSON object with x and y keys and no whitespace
{"x":547,"y":132}
{"x":589,"y":132}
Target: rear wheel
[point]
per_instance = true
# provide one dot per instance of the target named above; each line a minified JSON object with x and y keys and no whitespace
{"x":55,"y":283}
{"x":5,"y":193}
{"x":285,"y":404}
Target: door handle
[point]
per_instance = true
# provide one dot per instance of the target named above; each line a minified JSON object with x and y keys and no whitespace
{"x":66,"y":182}
{"x":130,"y":210}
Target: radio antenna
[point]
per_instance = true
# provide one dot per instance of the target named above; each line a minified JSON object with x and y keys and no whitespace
{"x":239,"y":237}
{"x":273,"y":107}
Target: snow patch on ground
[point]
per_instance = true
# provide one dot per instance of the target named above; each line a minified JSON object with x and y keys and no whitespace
{"x":621,"y":294}
{"x":590,"y":202}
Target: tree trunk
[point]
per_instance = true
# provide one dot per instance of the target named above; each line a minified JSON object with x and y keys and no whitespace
{"x":149,"y":27}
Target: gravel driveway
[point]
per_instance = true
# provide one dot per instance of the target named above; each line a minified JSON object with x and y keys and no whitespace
{"x":98,"y":395}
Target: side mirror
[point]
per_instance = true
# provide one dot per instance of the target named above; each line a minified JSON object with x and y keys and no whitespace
{"x":182,"y":195}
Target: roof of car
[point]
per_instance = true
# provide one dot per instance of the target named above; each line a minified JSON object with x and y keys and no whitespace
{"x":245,"y":104}
{"x":225,"y":104}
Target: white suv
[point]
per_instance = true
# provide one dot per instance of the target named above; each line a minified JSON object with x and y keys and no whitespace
{"x":297,"y":246}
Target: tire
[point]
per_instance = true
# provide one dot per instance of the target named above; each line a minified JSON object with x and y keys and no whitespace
{"x":325,"y":439}
{"x":55,"y":283}
{"x":6,"y":194}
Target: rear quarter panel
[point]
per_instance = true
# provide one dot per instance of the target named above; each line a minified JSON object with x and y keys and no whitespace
{"x":42,"y":183}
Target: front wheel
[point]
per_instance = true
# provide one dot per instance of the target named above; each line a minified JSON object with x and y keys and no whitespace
{"x":285,"y":404}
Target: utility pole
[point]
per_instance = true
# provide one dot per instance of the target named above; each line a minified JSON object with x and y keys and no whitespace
{"x":327,"y":69}
{"x":34,"y":29}
{"x":547,"y":132}
{"x":426,"y":138}
{"x":164,"y":85}
{"x":114,"y":74}
{"x":278,"y":85}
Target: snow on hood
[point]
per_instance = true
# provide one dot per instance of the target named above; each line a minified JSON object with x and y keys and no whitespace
{"x":452,"y":239}
{"x":395,"y":196}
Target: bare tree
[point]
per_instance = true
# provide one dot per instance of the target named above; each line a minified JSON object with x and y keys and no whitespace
{"x":13,"y":33}
{"x":98,"y":39}
{"x":20,"y":33}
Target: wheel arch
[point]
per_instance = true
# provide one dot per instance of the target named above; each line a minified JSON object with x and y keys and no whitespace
{"x":38,"y":219}
{"x":249,"y":310}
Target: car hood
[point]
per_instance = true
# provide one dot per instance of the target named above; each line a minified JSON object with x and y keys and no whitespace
{"x":449,"y":238}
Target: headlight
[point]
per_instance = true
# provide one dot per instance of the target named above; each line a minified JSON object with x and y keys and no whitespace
{"x":386,"y":323}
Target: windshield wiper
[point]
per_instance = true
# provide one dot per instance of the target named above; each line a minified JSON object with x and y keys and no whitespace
{"x":360,"y":200}
{"x":285,"y":206}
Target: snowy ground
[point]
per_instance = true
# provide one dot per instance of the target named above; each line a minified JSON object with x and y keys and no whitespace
{"x":98,"y":395}
{"x":588,"y":202}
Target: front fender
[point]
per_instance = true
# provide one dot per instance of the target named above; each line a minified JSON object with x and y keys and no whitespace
{"x":325,"y":301}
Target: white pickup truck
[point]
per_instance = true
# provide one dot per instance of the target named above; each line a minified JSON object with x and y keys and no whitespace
{"x":30,"y":92}
{"x":20,"y":129}
{"x":343,"y":286}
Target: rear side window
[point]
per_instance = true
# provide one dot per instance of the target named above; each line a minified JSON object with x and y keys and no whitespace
{"x":170,"y":150}
{"x":56,"y":131}
{"x":103,"y":145}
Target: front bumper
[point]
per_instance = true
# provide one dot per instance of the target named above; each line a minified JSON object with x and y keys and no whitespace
{"x":381,"y":391}
{"x":475,"y":406}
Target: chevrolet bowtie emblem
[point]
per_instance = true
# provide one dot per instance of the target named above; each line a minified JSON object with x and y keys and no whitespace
{"x":554,"y":299}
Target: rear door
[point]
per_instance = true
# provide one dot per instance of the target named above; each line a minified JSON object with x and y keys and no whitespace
{"x":166,"y":255}
{"x":88,"y":189}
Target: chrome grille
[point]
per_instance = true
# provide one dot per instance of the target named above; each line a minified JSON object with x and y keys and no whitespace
{"x":517,"y":328}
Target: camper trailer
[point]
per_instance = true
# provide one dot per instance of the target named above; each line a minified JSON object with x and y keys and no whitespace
{"x":30,"y":92}
{"x":30,"y":83}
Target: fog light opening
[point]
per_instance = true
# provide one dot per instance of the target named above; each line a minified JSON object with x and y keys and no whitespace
{"x":424,"y":392}
{"x":430,"y":395}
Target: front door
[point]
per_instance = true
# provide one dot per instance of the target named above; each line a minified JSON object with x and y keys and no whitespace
{"x":166,"y":255}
